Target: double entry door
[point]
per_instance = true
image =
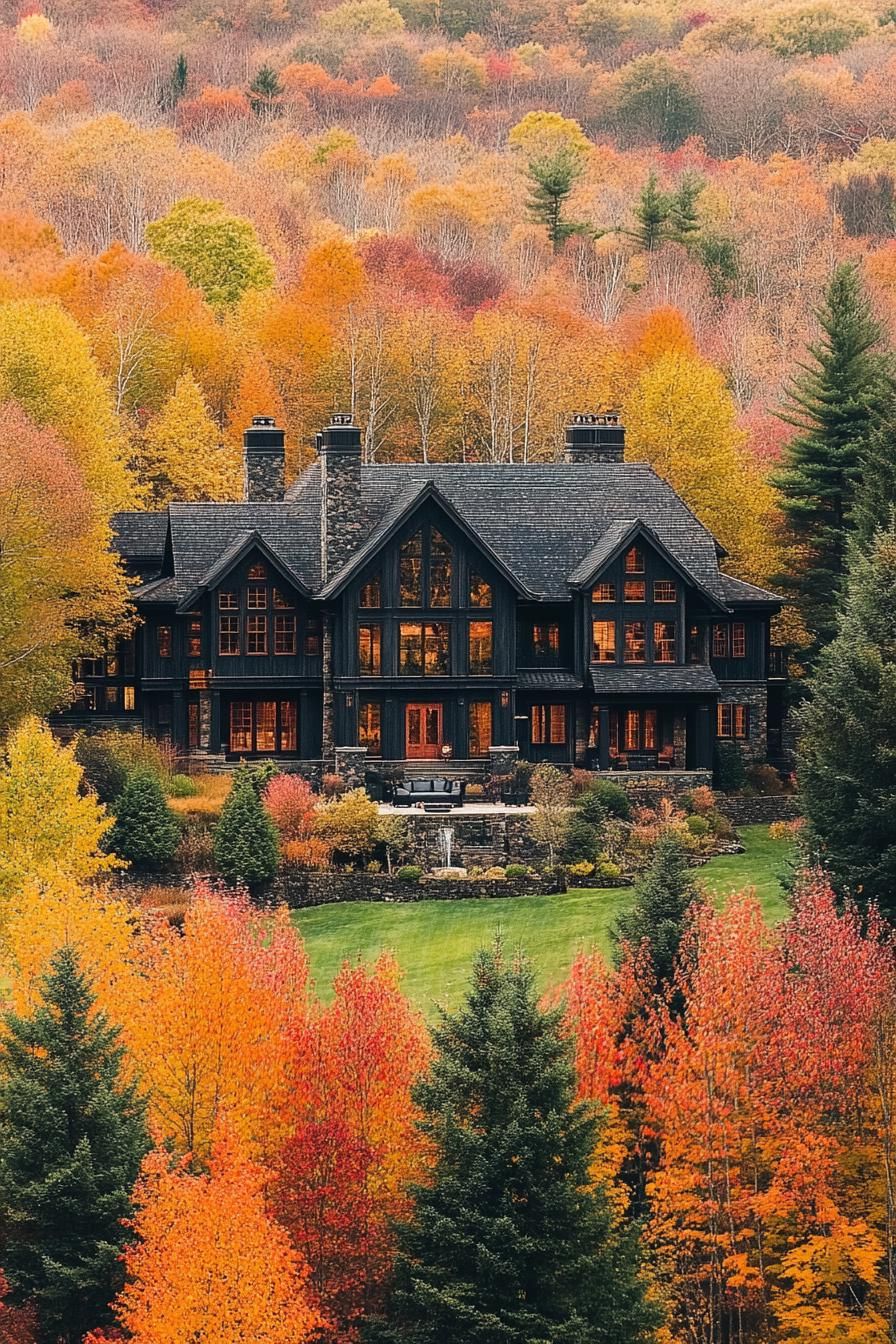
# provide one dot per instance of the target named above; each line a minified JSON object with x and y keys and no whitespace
{"x":423,"y":732}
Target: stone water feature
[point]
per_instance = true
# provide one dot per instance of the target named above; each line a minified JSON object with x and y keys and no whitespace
{"x":445,"y":840}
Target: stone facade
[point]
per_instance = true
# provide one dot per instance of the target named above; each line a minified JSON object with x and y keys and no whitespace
{"x":350,"y":764}
{"x":301,"y":890}
{"x":502,"y":759}
{"x":761,"y":810}
{"x":265,"y":476}
{"x":754,"y":694}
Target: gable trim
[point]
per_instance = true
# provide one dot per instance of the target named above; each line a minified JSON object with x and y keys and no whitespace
{"x":237,"y":551}
{"x":640,"y":528}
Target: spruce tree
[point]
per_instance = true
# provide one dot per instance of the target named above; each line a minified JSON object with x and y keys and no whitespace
{"x":684,"y":220}
{"x":658,"y":915}
{"x":834,"y":404}
{"x":146,"y":831}
{"x":651,"y":215}
{"x":875,"y":501}
{"x":553,"y":178}
{"x":245,"y":843}
{"x":847,"y":766}
{"x":510,"y":1242}
{"x":72,"y":1137}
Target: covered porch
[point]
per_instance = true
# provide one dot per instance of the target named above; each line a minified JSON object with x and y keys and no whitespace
{"x":652,"y":718}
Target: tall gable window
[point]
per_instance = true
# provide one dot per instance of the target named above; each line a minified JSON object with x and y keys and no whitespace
{"x":481,"y":661}
{"x":603,"y":641}
{"x":257,"y":597}
{"x":738,"y":640}
{"x":423,"y":650}
{"x":410,"y":571}
{"x":370,"y":650}
{"x":634,"y":560}
{"x":256,"y":635}
{"x":664,"y":641}
{"x":439,"y":570}
{"x":480,"y":591}
{"x":228,"y":636}
{"x":635,"y":590}
{"x":635,"y":645}
{"x":163,"y":641}
{"x":371,"y":594}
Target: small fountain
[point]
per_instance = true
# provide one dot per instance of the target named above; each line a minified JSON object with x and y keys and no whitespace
{"x":445,"y":840}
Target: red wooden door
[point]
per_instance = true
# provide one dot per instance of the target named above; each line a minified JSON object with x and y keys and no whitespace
{"x":423,"y":732}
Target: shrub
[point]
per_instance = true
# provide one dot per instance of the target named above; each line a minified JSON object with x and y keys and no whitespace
{"x":700,"y":801}
{"x":350,"y":824}
{"x":409,"y":873}
{"x":146,"y":832}
{"x":608,"y":871}
{"x":180,"y":786}
{"x":313,"y":853}
{"x":194,"y":852}
{"x":109,"y":757}
{"x":765,"y":779}
{"x":698,"y":826}
{"x":731,"y":776}
{"x":590,"y":807}
{"x":245,"y":842}
{"x":292,"y":804}
{"x":786,"y":830}
{"x":581,"y":781}
{"x":521,"y":779}
{"x":583,"y":869}
{"x":333,"y":786}
{"x":259,"y":776}
{"x":613,"y":799}
{"x":582,"y":843}
{"x":495,"y":872}
{"x":515,"y":871}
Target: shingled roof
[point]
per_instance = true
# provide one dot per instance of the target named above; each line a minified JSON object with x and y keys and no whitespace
{"x":666,"y":678}
{"x":544,"y":525}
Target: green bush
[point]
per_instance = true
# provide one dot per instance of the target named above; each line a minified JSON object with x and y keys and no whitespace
{"x":108,"y":757}
{"x":245,"y":843}
{"x":582,"y":843}
{"x":515,"y":871}
{"x":259,"y":776}
{"x":611,"y":798}
{"x":698,"y":826}
{"x":180,"y":786}
{"x":146,"y":831}
{"x":409,"y":873}
{"x":730,"y":774}
{"x":765,"y":779}
{"x":610,"y":872}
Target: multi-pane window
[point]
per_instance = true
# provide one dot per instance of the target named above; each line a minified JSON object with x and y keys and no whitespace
{"x":289,"y":726}
{"x":720,"y":641}
{"x":410,"y":571}
{"x":313,"y":637}
{"x":634,"y":560}
{"x":256,"y":635}
{"x":163,"y":641}
{"x":194,"y":636}
{"x":370,"y":650}
{"x":664,"y":590}
{"x":695,"y":644}
{"x":266,"y":725}
{"x":640,"y":730}
{"x":129,"y":699}
{"x":603,"y":592}
{"x":733,"y":721}
{"x":480,"y":591}
{"x":423,"y":650}
{"x":664,"y":642}
{"x":241,"y":725}
{"x":439,"y":570}
{"x":111,"y":665}
{"x":634,"y":645}
{"x":635,"y":590}
{"x":546,"y":642}
{"x":480,"y":727}
{"x":263,"y":726}
{"x":227,"y":601}
{"x":284,"y":634}
{"x":548,"y":725}
{"x":481,"y":657}
{"x":738,"y":640}
{"x":228,"y":636}
{"x":257,"y":597}
{"x":111,"y":697}
{"x":371,"y":594}
{"x":603,"y":641}
{"x":370,"y":727}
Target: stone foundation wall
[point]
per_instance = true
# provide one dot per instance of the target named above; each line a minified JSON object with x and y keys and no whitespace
{"x":648,"y":787}
{"x":755,"y":748}
{"x":761,"y":810}
{"x":479,"y":841}
{"x":301,"y":890}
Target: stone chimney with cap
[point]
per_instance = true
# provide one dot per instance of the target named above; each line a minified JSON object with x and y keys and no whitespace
{"x":339,"y":447}
{"x":595,"y":438}
{"x":264,"y":460}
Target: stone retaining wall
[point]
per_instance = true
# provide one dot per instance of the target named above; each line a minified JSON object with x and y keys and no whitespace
{"x":761,"y":810}
{"x":301,"y":890}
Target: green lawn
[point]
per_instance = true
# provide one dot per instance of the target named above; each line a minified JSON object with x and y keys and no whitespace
{"x":434,"y":941}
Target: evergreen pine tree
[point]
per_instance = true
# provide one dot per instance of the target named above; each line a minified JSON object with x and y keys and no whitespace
{"x":875,"y":501}
{"x":553,"y":179}
{"x":510,"y":1242}
{"x":245,"y":844}
{"x":834,"y":404}
{"x":72,"y":1137}
{"x":847,"y":768}
{"x":658,"y":914}
{"x":652,"y":216}
{"x":684,"y":221}
{"x":265,"y":91}
{"x":146,"y":831}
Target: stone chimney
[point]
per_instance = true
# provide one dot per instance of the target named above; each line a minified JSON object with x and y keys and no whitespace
{"x":595,"y":438}
{"x":264,"y":460}
{"x":339,"y":447}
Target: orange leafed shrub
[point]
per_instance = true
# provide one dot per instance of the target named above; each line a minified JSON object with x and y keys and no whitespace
{"x":313,"y":852}
{"x":292,"y":803}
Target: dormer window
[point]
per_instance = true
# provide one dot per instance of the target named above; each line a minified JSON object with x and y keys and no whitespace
{"x":634,"y":560}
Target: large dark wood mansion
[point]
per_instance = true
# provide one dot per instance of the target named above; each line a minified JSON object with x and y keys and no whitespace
{"x":576,"y":610}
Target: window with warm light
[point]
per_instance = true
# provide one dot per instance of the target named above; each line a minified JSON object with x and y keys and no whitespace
{"x":738,"y":640}
{"x":370,"y":650}
{"x":634,"y":649}
{"x":480,"y":646}
{"x":371,"y":594}
{"x":635,"y":590}
{"x":603,"y":641}
{"x":603,"y":592}
{"x":664,"y":642}
{"x":664,"y":590}
{"x":634,"y":560}
{"x":256,"y":635}
{"x":480,"y":591}
{"x":479,"y":718}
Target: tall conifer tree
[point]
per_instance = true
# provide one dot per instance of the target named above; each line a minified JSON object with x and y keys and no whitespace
{"x":72,"y":1137}
{"x":848,"y":745}
{"x":834,"y":404}
{"x":511,"y":1241}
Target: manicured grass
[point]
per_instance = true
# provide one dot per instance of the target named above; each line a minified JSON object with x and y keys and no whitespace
{"x":434,"y":941}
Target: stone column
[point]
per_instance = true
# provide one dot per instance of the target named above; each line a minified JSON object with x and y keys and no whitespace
{"x":679,"y":740}
{"x":703,"y":753}
{"x":205,"y":719}
{"x":328,"y":739}
{"x":603,"y":741}
{"x":350,"y":764}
